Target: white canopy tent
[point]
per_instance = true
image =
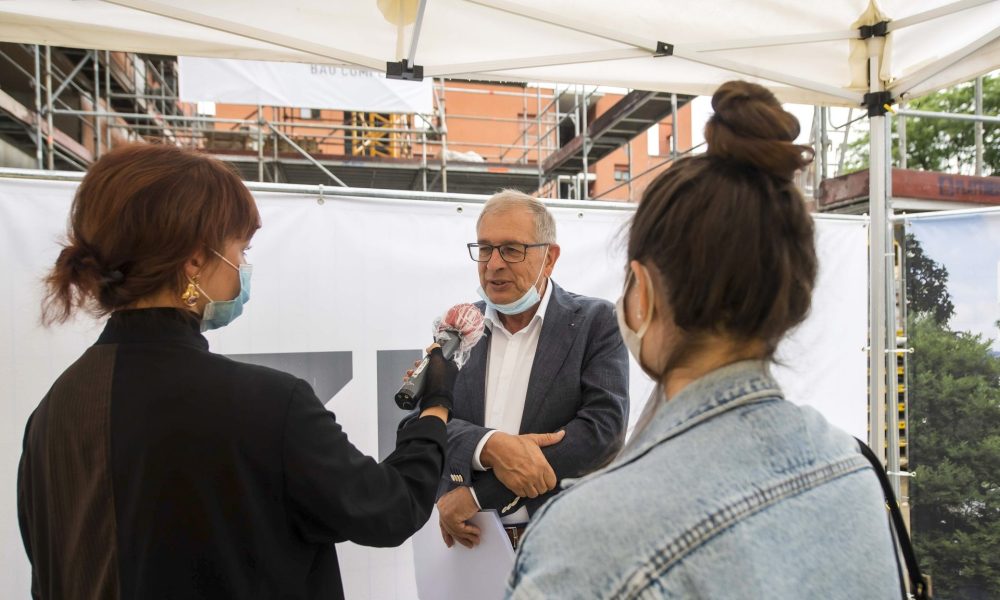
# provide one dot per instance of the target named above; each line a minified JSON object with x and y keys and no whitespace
{"x":807,"y":52}
{"x":837,"y":52}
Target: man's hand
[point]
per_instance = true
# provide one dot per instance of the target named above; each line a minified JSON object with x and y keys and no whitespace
{"x":455,"y":508}
{"x":519,"y":463}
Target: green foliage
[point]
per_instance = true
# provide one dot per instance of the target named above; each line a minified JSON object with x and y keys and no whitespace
{"x":940,"y":144}
{"x":926,"y":284}
{"x":954,"y":449}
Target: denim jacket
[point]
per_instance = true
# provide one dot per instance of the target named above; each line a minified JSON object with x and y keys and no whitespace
{"x":730,"y":491}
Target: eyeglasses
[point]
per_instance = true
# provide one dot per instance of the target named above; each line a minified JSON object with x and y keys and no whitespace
{"x":510,"y":253}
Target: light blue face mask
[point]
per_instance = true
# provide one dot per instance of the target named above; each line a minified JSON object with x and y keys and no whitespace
{"x":529,"y":299}
{"x":219,"y":313}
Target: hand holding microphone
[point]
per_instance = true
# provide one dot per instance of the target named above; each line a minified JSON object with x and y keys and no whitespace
{"x":439,"y":381}
{"x":433,"y":379}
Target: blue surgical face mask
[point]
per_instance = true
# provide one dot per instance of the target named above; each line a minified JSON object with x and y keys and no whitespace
{"x":219,"y":313}
{"x":529,"y":299}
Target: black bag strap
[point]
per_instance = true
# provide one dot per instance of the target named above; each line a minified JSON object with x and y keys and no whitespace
{"x":919,"y":584}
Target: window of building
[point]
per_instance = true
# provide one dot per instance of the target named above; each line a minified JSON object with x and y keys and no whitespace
{"x":621,"y":173}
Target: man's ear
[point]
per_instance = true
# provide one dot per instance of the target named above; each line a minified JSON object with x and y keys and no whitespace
{"x":551,"y":256}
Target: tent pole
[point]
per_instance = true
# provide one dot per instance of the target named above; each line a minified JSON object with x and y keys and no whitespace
{"x":415,"y":36}
{"x":291,"y":42}
{"x":882,"y":299}
{"x":876,"y":258}
{"x":902,"y":87}
{"x":941,"y":11}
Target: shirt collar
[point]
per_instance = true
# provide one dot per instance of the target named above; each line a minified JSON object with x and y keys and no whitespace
{"x":492,"y":316}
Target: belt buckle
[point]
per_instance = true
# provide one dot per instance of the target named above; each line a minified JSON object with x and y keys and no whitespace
{"x":514,"y":534}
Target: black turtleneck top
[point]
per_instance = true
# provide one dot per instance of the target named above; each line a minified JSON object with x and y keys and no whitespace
{"x":154,"y":468}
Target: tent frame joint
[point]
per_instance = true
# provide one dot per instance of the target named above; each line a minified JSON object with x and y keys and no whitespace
{"x":880,"y":29}
{"x":878,"y":103}
{"x":663,"y":49}
{"x":404,"y":70}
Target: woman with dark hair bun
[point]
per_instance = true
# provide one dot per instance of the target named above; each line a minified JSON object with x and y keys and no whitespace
{"x":154,"y":468}
{"x":726,"y":490}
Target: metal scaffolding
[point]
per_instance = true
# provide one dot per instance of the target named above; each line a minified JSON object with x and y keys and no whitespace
{"x":76,"y":104}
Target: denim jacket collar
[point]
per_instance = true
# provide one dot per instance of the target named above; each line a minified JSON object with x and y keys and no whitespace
{"x":736,"y":384}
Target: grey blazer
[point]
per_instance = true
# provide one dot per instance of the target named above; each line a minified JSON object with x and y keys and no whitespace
{"x":579,"y":382}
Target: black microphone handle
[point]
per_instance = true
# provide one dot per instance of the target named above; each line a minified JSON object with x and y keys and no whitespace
{"x":411,"y":390}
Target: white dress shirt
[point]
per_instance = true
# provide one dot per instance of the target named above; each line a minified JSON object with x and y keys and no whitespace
{"x":508,"y":369}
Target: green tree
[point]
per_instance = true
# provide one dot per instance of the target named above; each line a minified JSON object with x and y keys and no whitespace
{"x":954,"y":440}
{"x":955,"y":454}
{"x":940,"y":144}
{"x":926,"y":284}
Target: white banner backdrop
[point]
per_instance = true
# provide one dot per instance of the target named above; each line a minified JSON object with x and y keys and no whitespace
{"x":231,"y":81}
{"x":360,"y":277}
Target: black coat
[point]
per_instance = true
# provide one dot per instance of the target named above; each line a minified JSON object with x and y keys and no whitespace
{"x":156,"y":469}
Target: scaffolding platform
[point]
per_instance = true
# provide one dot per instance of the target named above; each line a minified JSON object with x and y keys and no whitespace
{"x":636,"y":112}
{"x":388,"y":173}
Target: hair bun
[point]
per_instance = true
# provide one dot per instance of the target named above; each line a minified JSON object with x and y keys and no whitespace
{"x":80,"y":257}
{"x":750,"y":126}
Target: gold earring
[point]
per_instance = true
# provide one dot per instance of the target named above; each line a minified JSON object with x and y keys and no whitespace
{"x":191,"y":295}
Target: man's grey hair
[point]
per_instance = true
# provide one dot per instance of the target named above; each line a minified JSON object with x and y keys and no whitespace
{"x":504,"y":200}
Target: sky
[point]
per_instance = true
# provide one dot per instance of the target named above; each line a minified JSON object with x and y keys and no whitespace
{"x":701,"y":110}
{"x":969,"y":247}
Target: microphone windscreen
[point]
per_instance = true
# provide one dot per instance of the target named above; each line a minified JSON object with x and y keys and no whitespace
{"x":464,"y":318}
{"x":468,"y":321}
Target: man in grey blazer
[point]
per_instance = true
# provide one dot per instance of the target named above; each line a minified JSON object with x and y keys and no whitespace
{"x":544,"y":395}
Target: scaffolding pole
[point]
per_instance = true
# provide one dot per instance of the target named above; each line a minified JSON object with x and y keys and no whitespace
{"x":96,"y":104}
{"x":39,"y":158}
{"x":260,"y":143}
{"x":979,"y":127}
{"x":305,"y":154}
{"x":586,"y":145}
{"x":628,"y":158}
{"x":673,"y":126}
{"x":901,"y":135}
{"x":825,"y":141}
{"x":817,"y":140}
{"x":107,"y":90}
{"x":444,"y":141}
{"x":538,"y":137}
{"x":48,"y":108}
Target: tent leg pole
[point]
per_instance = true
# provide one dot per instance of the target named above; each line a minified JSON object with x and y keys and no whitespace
{"x":882,"y":321}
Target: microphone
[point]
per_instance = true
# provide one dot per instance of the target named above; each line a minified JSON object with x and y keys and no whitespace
{"x":457,"y":331}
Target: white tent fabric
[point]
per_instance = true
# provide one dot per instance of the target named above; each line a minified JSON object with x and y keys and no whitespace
{"x":269,"y":83}
{"x":806,"y":52}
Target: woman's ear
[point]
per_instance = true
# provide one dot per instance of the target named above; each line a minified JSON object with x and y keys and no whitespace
{"x":643,"y":286}
{"x":194,"y":265}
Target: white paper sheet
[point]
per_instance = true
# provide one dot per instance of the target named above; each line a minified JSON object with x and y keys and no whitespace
{"x":458,"y":572}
